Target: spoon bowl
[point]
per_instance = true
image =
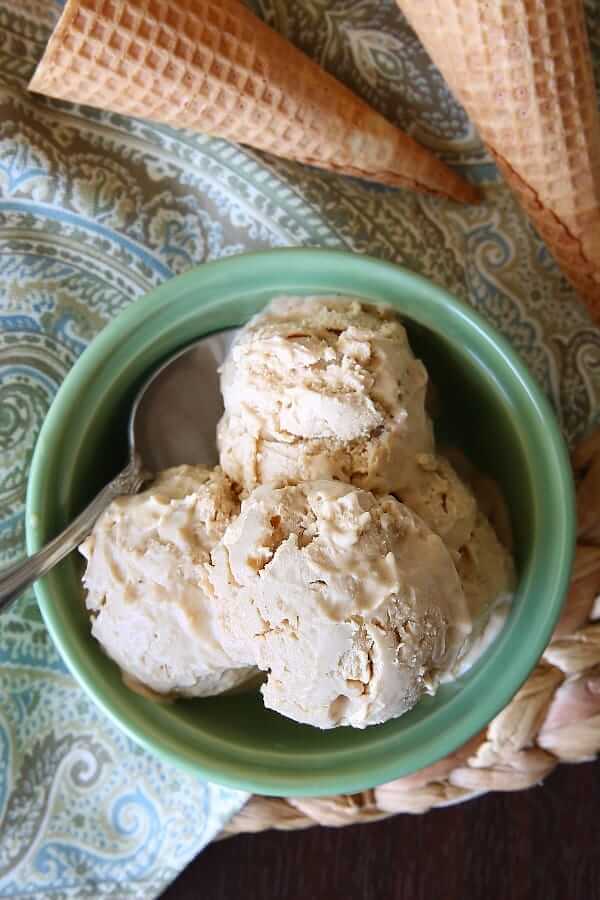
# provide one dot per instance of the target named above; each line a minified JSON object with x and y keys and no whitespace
{"x":174,"y":417}
{"x":165,"y":429}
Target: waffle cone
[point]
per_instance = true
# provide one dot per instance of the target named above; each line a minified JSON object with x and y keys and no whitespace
{"x":213,"y":66}
{"x":523,"y":72}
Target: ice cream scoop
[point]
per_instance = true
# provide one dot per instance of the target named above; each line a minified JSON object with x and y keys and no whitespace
{"x":348,"y":600}
{"x":146,"y":585}
{"x":323,"y":387}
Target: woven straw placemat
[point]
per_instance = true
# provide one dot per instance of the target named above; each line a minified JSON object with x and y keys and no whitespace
{"x":554,"y":718}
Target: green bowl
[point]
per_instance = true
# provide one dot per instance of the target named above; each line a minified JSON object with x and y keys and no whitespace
{"x":493,"y":410}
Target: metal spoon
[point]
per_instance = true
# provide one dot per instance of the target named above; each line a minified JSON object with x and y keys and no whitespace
{"x":172,"y":421}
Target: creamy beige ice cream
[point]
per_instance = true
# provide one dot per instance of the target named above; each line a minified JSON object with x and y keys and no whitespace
{"x":348,"y":600}
{"x":329,"y":388}
{"x":323,"y":387}
{"x":483,"y":559}
{"x":442,"y":499}
{"x":149,"y":599}
{"x":485,"y":569}
{"x":356,"y":603}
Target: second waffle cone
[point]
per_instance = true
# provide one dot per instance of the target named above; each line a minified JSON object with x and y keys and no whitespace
{"x":523,"y":72}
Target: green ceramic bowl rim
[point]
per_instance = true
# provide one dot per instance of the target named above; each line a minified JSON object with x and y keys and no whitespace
{"x":438,"y":310}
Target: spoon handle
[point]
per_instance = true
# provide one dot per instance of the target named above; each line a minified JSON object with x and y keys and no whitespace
{"x":16,"y":578}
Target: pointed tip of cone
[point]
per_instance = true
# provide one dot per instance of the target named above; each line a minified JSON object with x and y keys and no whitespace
{"x":415,"y":166}
{"x":407,"y":164}
{"x":448,"y":185}
{"x":471,"y":193}
{"x":463,"y":191}
{"x":455,"y":189}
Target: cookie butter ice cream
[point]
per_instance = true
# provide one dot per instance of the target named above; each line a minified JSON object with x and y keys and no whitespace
{"x":360,"y":571}
{"x":147,"y":592}
{"x":349,"y":601}
{"x":442,"y":499}
{"x":485,"y":569}
{"x":323,"y":387}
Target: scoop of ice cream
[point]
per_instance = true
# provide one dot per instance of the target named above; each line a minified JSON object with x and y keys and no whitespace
{"x":451,"y":504}
{"x":485,"y":568}
{"x":323,"y":387}
{"x":146,"y":584}
{"x":487,"y":492}
{"x":349,"y":601}
{"x":484,"y":563}
{"x":442,"y":499}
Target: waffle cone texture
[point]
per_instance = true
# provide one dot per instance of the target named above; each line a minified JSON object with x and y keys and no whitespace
{"x":215,"y":67}
{"x":523,"y":71}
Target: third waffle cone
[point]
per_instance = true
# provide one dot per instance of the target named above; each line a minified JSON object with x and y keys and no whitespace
{"x":523,"y":72}
{"x":213,"y":66}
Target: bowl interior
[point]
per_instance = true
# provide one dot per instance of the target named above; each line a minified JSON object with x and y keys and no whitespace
{"x":490,"y":408}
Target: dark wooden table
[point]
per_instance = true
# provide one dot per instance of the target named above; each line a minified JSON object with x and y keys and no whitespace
{"x":542,"y":844}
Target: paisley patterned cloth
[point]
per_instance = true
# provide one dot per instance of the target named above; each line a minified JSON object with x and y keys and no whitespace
{"x":95,"y":210}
